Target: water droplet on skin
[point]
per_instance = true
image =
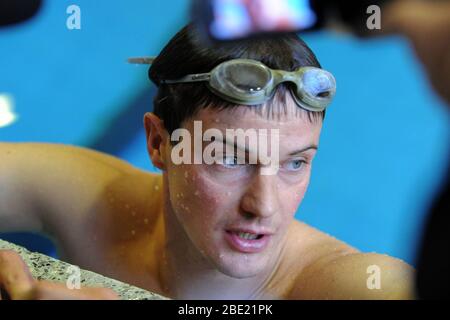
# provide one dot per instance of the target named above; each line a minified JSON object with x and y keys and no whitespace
{"x":196,"y":193}
{"x":133,"y":232}
{"x":156,"y":187}
{"x":133,"y":213}
{"x":127,"y":206}
{"x":146,"y":221}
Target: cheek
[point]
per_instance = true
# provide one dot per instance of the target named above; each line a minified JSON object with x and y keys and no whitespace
{"x":293,"y":198}
{"x":301,"y":191}
{"x":195,"y":197}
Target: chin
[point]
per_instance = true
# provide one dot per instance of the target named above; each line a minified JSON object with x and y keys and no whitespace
{"x":241,"y":269}
{"x":239,"y":273}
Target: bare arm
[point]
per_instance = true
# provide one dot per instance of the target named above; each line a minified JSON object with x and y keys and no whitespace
{"x":86,"y":200}
{"x":18,"y":207}
{"x":44,"y":187}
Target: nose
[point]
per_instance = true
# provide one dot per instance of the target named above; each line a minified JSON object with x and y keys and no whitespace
{"x":261,"y":197}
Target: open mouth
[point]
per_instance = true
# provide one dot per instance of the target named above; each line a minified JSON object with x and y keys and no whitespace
{"x":246,"y":242}
{"x":246,"y":235}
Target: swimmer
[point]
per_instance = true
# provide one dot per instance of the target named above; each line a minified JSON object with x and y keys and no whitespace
{"x":198,"y":231}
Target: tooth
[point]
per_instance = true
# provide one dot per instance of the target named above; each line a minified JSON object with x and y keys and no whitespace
{"x":247,"y":236}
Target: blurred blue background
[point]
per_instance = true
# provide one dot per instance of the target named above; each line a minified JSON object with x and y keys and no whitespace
{"x":383,"y":148}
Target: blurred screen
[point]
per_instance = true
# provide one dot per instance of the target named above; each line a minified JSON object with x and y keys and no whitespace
{"x":240,"y":18}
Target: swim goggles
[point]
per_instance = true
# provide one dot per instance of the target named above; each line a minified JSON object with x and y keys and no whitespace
{"x":250,"y":82}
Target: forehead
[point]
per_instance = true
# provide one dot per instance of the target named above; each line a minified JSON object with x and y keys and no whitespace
{"x":291,"y":121}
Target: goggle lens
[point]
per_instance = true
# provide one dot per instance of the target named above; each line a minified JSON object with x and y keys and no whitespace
{"x":318,"y":84}
{"x":246,"y":77}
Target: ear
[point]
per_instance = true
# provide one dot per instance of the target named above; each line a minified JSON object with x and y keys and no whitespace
{"x":156,"y":135}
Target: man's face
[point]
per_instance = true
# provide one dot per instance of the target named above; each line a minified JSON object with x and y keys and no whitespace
{"x":212,"y":202}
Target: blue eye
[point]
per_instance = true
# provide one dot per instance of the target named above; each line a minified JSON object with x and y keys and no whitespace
{"x":230,"y":162}
{"x":295,"y":165}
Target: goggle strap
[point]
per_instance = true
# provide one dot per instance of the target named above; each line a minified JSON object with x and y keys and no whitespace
{"x":190,"y":78}
{"x":141,"y":60}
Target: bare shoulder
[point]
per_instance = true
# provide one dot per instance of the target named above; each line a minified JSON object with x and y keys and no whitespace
{"x":309,"y":245}
{"x":345,"y":273}
{"x":57,"y":171}
{"x":53,"y":158}
{"x":80,"y":191}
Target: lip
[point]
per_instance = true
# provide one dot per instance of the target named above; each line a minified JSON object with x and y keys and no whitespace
{"x":249,"y":230}
{"x":245,"y":245}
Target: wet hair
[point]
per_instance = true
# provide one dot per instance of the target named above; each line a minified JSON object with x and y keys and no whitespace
{"x":186,"y":53}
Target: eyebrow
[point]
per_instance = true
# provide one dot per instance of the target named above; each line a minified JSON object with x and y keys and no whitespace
{"x":247,"y":151}
{"x":297,"y":152}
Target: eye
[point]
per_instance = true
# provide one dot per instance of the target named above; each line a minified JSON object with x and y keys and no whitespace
{"x":230,"y":162}
{"x":295,"y":165}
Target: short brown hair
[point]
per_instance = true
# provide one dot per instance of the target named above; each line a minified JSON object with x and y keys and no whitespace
{"x":186,"y":53}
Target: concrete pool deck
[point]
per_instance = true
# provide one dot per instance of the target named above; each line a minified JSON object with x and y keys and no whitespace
{"x":43,"y":267}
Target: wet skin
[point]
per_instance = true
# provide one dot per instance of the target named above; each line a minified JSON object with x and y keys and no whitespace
{"x":168,"y":233}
